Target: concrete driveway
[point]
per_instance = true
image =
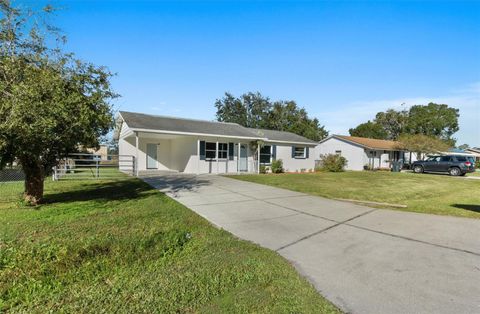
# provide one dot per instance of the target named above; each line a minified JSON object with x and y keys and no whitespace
{"x":364,"y":260}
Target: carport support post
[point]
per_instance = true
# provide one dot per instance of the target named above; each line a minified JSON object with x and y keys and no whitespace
{"x":238,"y":157}
{"x":136,"y":154}
{"x":198,"y":156}
{"x":258,"y":157}
{"x":216,"y":154}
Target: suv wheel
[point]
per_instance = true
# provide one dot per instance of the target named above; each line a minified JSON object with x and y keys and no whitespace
{"x":418,"y":169}
{"x":454,"y":171}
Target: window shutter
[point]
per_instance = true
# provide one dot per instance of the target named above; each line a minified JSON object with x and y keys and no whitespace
{"x":274,"y":152}
{"x":202,"y":150}
{"x":293,"y":151}
{"x":230,"y":151}
{"x":307,"y":152}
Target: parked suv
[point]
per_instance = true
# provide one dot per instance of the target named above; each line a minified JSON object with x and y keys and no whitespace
{"x":455,"y":165}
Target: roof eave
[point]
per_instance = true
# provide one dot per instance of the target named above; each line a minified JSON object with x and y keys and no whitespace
{"x":196,"y":134}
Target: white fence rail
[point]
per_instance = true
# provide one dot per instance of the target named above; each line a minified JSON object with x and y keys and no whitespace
{"x":83,"y":166}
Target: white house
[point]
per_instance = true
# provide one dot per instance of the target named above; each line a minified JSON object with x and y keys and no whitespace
{"x":160,"y":143}
{"x":360,"y":152}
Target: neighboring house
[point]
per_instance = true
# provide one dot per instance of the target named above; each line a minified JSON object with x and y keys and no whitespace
{"x":197,"y":146}
{"x":102,"y":151}
{"x":360,"y":152}
{"x":474,"y":151}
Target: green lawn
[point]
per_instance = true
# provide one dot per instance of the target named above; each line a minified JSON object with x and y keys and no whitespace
{"x":474,"y":174}
{"x":423,"y":193}
{"x":120,"y":246}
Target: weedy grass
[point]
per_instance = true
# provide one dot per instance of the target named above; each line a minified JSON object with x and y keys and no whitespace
{"x":118,"y":245}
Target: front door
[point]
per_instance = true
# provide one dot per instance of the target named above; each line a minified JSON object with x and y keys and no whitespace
{"x":243,"y":162}
{"x":151,"y":156}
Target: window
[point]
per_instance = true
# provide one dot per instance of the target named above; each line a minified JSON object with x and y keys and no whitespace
{"x":338,"y":152}
{"x":461,"y":158}
{"x":299,"y":152}
{"x":445,"y":158}
{"x":222,"y":150}
{"x":210,"y":150}
{"x":434,"y":158}
{"x":266,"y":154}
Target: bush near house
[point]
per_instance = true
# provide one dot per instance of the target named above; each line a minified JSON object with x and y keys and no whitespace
{"x":332,"y":163}
{"x":277,"y":166}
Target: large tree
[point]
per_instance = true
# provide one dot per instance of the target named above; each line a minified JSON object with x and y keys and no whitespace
{"x":433,"y":120}
{"x":369,"y":129}
{"x":256,"y":111}
{"x":437,"y":120}
{"x":393,"y":122}
{"x":250,"y":109}
{"x":51,"y":103}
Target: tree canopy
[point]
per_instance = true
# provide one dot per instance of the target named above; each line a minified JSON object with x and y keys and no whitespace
{"x":51,"y":103}
{"x":422,"y":144}
{"x":369,"y":129}
{"x":433,"y":120}
{"x":256,"y":111}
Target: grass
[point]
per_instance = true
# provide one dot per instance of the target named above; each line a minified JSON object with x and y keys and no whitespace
{"x":474,"y":174}
{"x":422,"y":193}
{"x":120,"y":246}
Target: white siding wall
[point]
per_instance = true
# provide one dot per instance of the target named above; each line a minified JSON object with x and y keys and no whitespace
{"x":354,"y":154}
{"x":180,"y":154}
{"x":284,"y":152}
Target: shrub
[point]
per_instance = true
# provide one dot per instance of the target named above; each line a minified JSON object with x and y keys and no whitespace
{"x":277,"y":166}
{"x":263,"y":169}
{"x":333,"y":162}
{"x":477,"y":164}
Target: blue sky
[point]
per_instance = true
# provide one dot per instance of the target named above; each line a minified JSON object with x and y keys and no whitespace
{"x":342,"y":61}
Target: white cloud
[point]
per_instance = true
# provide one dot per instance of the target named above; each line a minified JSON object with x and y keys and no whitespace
{"x":466,"y":99}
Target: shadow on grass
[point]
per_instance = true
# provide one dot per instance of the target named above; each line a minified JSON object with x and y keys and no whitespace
{"x":126,"y":189}
{"x":105,"y":191}
{"x":470,"y":207}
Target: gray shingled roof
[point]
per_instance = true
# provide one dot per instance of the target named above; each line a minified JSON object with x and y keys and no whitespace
{"x":152,"y":122}
{"x":162,"y":123}
{"x":283,"y":136}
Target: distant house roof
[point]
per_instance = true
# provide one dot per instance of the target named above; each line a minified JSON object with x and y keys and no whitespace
{"x":155,"y":123}
{"x":370,"y":143}
{"x":474,"y":149}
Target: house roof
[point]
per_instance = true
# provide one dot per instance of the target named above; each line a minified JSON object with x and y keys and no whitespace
{"x":282,"y":136}
{"x":147,"y":122}
{"x":140,"y":121}
{"x":474,"y":149}
{"x":370,"y":142}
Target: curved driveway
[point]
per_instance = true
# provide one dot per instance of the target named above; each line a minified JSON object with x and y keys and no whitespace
{"x":364,"y":260}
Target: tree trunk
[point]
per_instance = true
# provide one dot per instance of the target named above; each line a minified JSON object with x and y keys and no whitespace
{"x":34,"y":177}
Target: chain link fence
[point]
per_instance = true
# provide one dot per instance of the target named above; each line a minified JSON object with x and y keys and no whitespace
{"x":11,"y":183}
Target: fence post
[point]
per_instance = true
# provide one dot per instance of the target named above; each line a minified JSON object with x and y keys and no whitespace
{"x":54,"y":177}
{"x":134,"y":166}
{"x":96,"y":163}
